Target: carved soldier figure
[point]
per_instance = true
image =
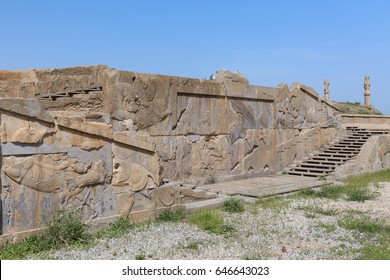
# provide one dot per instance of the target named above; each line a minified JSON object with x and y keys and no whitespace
{"x":367,"y":93}
{"x":326,"y":89}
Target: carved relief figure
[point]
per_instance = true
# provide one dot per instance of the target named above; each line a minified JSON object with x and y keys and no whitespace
{"x":145,"y":103}
{"x":367,"y":93}
{"x":138,"y":190}
{"x":52,"y":174}
{"x":132,"y":177}
{"x":366,"y":83}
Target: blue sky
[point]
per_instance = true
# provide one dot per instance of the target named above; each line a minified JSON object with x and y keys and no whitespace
{"x":268,"y":41}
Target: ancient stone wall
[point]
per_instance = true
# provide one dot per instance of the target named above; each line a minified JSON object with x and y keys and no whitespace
{"x":105,"y":142}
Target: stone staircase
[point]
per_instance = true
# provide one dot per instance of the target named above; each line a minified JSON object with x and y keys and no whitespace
{"x":325,"y":161}
{"x":70,"y":93}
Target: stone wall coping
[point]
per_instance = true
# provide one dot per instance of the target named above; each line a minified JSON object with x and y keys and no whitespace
{"x":330,"y":104}
{"x":365,"y":116}
{"x":30,"y":108}
{"x":125,"y":138}
{"x":102,"y":130}
{"x":306,"y":89}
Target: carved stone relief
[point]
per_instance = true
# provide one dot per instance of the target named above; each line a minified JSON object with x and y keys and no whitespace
{"x":137,"y":189}
{"x":144,"y":101}
{"x":54,"y":173}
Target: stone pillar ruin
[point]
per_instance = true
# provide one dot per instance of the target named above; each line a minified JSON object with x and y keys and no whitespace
{"x":367,"y":93}
{"x":326,"y":89}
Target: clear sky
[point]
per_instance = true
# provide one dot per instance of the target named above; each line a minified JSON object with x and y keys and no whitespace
{"x":268,"y":41}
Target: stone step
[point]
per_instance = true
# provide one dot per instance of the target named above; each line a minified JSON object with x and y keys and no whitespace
{"x":341,"y":152}
{"x":346,"y":149}
{"x":372,"y":132}
{"x":353,"y":141}
{"x":358,"y":137}
{"x":209,"y":203}
{"x":315,"y":166}
{"x":329,"y":159}
{"x":333,"y":155}
{"x":357,"y":146}
{"x":306,"y":174}
{"x":310,"y":170}
{"x":320,"y":162}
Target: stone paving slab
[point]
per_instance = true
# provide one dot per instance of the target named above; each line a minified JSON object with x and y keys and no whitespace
{"x":209,"y":203}
{"x":264,"y":186}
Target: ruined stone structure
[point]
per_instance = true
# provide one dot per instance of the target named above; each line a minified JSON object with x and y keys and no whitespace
{"x":108,"y":143}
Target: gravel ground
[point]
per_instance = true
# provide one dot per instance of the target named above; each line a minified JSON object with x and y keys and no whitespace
{"x":292,"y":231}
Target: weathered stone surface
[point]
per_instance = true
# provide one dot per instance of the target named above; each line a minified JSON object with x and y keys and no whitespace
{"x":52,"y":173}
{"x":198,"y":194}
{"x":233,"y":77}
{"x":35,"y":187}
{"x":101,"y":140}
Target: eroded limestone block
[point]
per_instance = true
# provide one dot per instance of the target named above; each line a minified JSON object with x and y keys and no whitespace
{"x":125,"y":203}
{"x":196,"y":194}
{"x":210,"y":156}
{"x":198,"y":115}
{"x":66,"y":138}
{"x":145,"y":201}
{"x":17,"y":130}
{"x":254,"y":153}
{"x":228,"y":76}
{"x":19,"y":84}
{"x":63,"y":79}
{"x":175,"y":155}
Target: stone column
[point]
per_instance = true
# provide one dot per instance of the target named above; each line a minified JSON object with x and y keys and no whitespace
{"x":326,"y":89}
{"x":367,"y":93}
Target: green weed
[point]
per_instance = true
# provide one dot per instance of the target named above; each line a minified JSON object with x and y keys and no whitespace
{"x":233,"y":205}
{"x":273,"y":203}
{"x":365,"y":225}
{"x":64,"y":229}
{"x":359,"y":194}
{"x":368,"y":178}
{"x":193,"y":245}
{"x":141,"y":256}
{"x":211,"y":221}
{"x":117,"y":229}
{"x":380,"y":251}
{"x":171,"y":216}
{"x":330,"y":191}
{"x":312,"y":210}
{"x":306,"y":193}
{"x":253,"y":256}
{"x":329,"y":228}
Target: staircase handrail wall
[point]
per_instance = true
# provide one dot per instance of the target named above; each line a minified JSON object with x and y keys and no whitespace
{"x":372,"y":119}
{"x":327,"y":123}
